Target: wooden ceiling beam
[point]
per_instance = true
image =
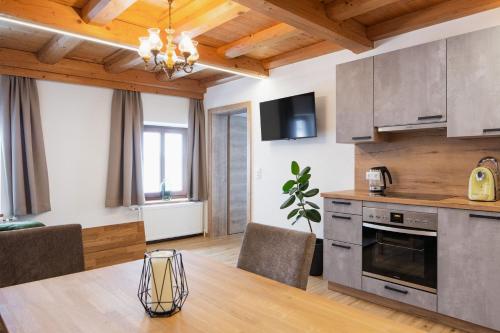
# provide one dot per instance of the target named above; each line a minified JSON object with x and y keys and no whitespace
{"x":65,"y":18}
{"x":310,"y":16}
{"x":341,"y":10}
{"x":268,"y":37}
{"x":219,"y":79}
{"x":304,"y":53}
{"x":102,"y":12}
{"x":197,"y":20}
{"x":88,"y":72}
{"x":57,"y":48}
{"x":442,"y":12}
{"x":121,"y":61}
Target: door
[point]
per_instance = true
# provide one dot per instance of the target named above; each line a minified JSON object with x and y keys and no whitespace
{"x":410,"y":86}
{"x":237,"y":173}
{"x":469,"y":269}
{"x":473,"y":84}
{"x":355,"y":101}
{"x":229,"y":168}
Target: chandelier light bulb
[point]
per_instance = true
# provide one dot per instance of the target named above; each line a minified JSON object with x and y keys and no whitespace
{"x":154,"y":39}
{"x":186,"y":44}
{"x":144,"y":48}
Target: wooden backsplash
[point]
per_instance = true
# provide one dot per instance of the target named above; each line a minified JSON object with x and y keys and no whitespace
{"x":425,"y":161}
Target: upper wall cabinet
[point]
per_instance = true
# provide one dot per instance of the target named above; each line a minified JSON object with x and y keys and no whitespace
{"x":474,"y":84}
{"x":410,"y":86}
{"x":355,"y":102}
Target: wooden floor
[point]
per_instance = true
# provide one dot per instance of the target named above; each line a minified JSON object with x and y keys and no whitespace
{"x":226,"y":249}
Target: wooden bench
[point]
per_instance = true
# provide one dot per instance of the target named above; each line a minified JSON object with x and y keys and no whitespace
{"x":113,"y":244}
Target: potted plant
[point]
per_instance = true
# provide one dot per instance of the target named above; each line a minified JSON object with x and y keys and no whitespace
{"x":298,"y":192}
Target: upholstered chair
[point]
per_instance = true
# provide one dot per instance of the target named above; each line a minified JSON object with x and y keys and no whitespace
{"x":40,"y":253}
{"x":280,"y":254}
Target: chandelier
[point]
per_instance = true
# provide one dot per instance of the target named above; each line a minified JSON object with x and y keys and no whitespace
{"x":168,"y":61}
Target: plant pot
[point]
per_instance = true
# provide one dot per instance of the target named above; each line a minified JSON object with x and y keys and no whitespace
{"x":317,"y":262}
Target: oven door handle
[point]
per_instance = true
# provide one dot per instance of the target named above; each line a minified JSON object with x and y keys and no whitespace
{"x":400,"y":230}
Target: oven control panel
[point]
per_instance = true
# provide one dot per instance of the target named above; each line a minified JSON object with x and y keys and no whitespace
{"x":410,"y":219}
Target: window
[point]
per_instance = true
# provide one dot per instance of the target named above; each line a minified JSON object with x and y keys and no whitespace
{"x":165,"y":152}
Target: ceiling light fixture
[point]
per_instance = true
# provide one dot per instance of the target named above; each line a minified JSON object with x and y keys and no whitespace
{"x":104,"y":42}
{"x":169,"y":62}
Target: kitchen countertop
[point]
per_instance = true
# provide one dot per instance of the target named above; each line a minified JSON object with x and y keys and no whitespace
{"x":419,"y":200}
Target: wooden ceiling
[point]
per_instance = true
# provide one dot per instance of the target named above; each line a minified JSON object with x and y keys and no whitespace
{"x":239,"y":37}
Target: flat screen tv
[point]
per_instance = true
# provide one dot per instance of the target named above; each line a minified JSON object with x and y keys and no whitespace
{"x":292,"y":117}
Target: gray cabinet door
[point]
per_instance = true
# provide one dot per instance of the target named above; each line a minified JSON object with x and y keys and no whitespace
{"x":355,"y":101}
{"x":342,"y":263}
{"x":469,"y":266}
{"x":410,"y":86}
{"x":474,"y":84}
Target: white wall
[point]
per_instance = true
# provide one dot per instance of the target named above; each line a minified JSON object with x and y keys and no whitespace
{"x":332,"y":164}
{"x":76,"y":123}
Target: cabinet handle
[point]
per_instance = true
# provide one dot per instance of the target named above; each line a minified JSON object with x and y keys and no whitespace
{"x":342,"y":246}
{"x":341,"y":203}
{"x":396,"y":290}
{"x":489,"y":130}
{"x":430,"y":117}
{"x":479,"y":216}
{"x":361,"y":137}
{"x":341,"y":217}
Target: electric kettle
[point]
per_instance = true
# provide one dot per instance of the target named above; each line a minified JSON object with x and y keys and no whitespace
{"x":483,"y":181}
{"x":376,"y":179}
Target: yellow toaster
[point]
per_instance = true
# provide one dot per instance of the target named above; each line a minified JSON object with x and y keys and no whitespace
{"x":483,"y":181}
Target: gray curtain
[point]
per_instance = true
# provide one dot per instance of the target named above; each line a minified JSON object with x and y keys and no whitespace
{"x":124,"y":187}
{"x":24,"y":172}
{"x":196,"y":159}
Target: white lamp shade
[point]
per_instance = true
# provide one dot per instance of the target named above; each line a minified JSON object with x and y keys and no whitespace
{"x":154,"y":39}
{"x":186,"y":44}
{"x":144,"y":48}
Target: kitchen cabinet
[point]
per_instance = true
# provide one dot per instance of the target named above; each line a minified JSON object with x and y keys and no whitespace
{"x":343,"y":206}
{"x":473,"y":84}
{"x":355,"y":102}
{"x":419,"y":298}
{"x":410,"y":86}
{"x":343,"y":227}
{"x":468,"y":266}
{"x":343,"y":263}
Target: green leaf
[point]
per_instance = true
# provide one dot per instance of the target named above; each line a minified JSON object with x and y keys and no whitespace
{"x":304,"y":171}
{"x":313,"y":215}
{"x":288,"y":186}
{"x":303,"y":187}
{"x":292,"y":213}
{"x":299,"y":195}
{"x":295,"y":168}
{"x":297,"y":219}
{"x":311,"y":193}
{"x":303,"y":179}
{"x":288,"y":202}
{"x":312,"y":204}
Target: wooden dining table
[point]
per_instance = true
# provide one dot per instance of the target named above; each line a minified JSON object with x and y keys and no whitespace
{"x":221,"y":299}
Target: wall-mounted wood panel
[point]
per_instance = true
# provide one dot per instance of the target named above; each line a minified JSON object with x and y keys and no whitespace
{"x":113,"y":244}
{"x":425,"y":161}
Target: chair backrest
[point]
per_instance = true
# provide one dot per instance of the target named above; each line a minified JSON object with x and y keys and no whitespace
{"x":40,"y":253}
{"x":280,"y":254}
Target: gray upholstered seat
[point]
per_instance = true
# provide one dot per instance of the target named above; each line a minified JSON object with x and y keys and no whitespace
{"x":280,"y":254}
{"x":40,"y":253}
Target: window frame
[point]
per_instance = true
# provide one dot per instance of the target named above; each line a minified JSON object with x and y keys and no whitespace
{"x":162,"y":130}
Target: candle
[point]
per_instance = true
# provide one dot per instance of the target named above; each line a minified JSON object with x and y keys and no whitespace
{"x":161,"y":281}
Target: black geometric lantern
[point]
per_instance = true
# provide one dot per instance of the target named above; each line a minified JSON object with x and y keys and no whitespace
{"x":163,"y":288}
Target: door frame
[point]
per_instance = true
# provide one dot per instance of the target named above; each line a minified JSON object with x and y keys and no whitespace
{"x":229,"y":109}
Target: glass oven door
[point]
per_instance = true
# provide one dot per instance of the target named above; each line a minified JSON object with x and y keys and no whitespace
{"x":404,"y":256}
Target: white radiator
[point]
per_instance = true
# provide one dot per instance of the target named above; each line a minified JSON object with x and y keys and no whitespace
{"x":173,"y":219}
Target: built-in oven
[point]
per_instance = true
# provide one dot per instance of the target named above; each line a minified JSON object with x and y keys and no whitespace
{"x":400,"y":247}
